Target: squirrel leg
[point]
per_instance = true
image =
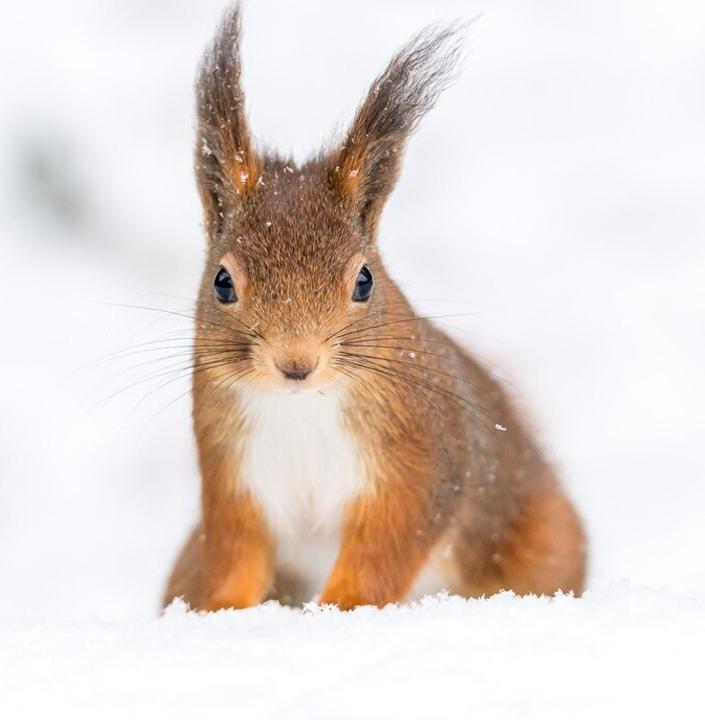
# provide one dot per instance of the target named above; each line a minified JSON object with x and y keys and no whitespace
{"x":238,"y":554}
{"x":229,"y":566}
{"x":541,"y":552}
{"x":386,"y":540}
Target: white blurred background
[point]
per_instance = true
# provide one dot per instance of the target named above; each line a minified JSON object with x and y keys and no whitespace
{"x":555,"y":197}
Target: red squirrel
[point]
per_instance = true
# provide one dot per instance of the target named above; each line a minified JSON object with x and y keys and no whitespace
{"x":350,"y":451}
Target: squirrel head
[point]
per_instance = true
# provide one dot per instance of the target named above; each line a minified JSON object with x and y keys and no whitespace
{"x":292,"y":255}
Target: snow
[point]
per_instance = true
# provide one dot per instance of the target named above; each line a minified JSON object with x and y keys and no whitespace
{"x":552,"y":203}
{"x":635,"y":652}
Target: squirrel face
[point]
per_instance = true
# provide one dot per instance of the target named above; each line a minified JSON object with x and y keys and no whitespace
{"x":293,"y":247}
{"x":288,"y":270}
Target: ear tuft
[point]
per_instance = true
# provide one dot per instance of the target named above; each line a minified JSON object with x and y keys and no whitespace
{"x":226,"y":163}
{"x":366,"y":167}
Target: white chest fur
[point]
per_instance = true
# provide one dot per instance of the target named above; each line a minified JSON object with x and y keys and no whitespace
{"x":302,"y":465}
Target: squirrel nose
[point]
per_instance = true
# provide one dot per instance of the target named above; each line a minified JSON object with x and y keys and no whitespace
{"x":296,"y":370}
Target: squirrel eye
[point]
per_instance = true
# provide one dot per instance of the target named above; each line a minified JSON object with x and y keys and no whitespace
{"x":223,"y":286}
{"x":363,"y":285}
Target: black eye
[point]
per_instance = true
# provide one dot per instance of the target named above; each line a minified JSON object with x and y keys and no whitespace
{"x":363,"y":285}
{"x":223,"y":287}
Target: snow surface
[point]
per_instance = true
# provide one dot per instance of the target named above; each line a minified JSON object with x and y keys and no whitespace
{"x":554,"y":200}
{"x":635,"y":653}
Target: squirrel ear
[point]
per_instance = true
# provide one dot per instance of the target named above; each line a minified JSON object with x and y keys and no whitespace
{"x":365,"y":169}
{"x":225,"y":161}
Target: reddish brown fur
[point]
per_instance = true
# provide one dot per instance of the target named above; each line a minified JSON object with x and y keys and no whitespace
{"x":424,"y":412}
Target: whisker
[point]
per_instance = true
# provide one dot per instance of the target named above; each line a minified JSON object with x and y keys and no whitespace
{"x":433,"y":407}
{"x":177,"y":368}
{"x":237,"y":377}
{"x":417,"y":366}
{"x":186,"y":354}
{"x":158,"y":345}
{"x":374,"y":366}
{"x":195,"y":350}
{"x":410,"y":319}
{"x":399,"y":348}
{"x":194,"y":318}
{"x":377,"y":311}
{"x":181,"y":375}
{"x":391,"y":338}
{"x":349,"y":372}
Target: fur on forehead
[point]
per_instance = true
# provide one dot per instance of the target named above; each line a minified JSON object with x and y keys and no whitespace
{"x":292,"y":217}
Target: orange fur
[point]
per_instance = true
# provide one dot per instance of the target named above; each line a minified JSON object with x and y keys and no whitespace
{"x":240,"y":562}
{"x":227,"y":562}
{"x":541,"y":552}
{"x":385,"y":541}
{"x":244,"y":171}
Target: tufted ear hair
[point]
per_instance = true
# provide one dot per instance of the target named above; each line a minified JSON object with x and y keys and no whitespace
{"x":226,"y":164}
{"x":365,"y":169}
